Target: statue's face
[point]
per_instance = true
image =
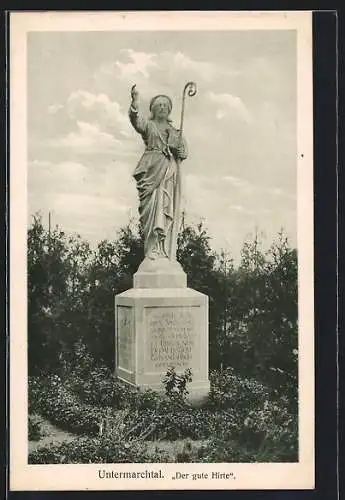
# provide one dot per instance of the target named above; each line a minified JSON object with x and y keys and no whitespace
{"x":161,"y":108}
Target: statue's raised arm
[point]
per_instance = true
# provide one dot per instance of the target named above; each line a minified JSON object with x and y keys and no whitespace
{"x":137,"y":119}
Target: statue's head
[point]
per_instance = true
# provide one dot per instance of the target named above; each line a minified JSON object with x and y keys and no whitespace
{"x":160,"y":106}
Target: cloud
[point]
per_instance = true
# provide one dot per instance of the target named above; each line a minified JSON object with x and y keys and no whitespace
{"x":98,"y":108}
{"x":47,"y":176}
{"x":241,"y":209}
{"x":229,"y":103}
{"x":208,"y":71}
{"x":95,"y":201}
{"x":54,"y":108}
{"x":140,"y":62}
{"x":98,"y":125}
{"x":157,"y":72}
{"x":238,"y":183}
{"x":280,"y":193}
{"x":131,"y":66}
{"x":90,"y":139}
{"x":87,"y":205}
{"x":110,"y":179}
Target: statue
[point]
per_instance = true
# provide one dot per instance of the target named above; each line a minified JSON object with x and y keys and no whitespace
{"x":151,"y":315}
{"x":157,"y":174}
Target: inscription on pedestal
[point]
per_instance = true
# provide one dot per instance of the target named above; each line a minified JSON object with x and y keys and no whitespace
{"x":125,"y":337}
{"x":171,"y":338}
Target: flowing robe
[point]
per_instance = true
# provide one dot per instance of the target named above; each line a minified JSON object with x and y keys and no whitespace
{"x":159,"y":186}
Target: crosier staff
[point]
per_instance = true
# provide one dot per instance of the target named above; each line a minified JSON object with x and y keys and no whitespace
{"x":189,"y":88}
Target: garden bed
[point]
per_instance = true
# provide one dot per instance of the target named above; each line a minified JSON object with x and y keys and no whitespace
{"x":239,"y":422}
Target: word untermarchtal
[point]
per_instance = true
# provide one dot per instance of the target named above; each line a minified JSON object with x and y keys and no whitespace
{"x":195,"y":476}
{"x":146,"y":474}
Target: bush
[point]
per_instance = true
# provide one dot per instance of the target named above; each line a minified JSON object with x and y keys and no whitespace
{"x":278,"y":428}
{"x":34,"y":393}
{"x":266,"y":432}
{"x":220,"y":451}
{"x":52,"y":400}
{"x":34,"y":429}
{"x":229,"y":390}
{"x":239,"y":413}
{"x":176,"y":384}
{"x":166,"y":419}
{"x":99,"y":387}
{"x":97,"y":450}
{"x":144,"y":400}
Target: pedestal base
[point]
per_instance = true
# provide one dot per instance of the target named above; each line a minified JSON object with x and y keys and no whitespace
{"x":160,"y":273}
{"x":158,"y":328}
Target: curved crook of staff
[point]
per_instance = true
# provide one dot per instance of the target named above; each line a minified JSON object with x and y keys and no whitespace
{"x":191,"y":87}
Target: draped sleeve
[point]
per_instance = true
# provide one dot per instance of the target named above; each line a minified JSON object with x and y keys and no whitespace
{"x":138,"y":121}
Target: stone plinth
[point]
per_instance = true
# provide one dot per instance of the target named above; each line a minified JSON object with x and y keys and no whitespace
{"x":158,"y":327}
{"x":160,"y":273}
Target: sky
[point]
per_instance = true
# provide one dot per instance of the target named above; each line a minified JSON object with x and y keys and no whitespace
{"x":240,"y":127}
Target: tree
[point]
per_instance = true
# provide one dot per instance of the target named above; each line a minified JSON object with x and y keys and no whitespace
{"x":57,"y":278}
{"x":264,"y":334}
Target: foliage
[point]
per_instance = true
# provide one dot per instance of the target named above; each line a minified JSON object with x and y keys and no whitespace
{"x":219,"y":450}
{"x":176,"y":384}
{"x":263,"y":332}
{"x":238,"y":410}
{"x":94,"y":385}
{"x":229,"y":390}
{"x":196,"y":256}
{"x":99,"y":450}
{"x":57,"y":281}
{"x":34,"y":428}
{"x":267,"y":434}
{"x":51,"y":399}
{"x":99,"y":389}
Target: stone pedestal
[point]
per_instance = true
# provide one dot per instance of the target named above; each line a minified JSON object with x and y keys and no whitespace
{"x":160,"y":323}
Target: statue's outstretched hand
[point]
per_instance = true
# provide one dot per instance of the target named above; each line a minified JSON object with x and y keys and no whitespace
{"x":134,"y":95}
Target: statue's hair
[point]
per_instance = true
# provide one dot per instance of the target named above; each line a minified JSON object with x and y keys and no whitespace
{"x":152,"y":102}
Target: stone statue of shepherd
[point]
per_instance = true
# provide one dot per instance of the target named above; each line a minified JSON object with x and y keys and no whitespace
{"x":158,"y":173}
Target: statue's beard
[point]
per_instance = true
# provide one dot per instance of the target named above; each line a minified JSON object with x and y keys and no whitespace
{"x":162,"y":115}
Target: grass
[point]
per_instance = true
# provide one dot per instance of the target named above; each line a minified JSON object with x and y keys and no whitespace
{"x":50,"y":435}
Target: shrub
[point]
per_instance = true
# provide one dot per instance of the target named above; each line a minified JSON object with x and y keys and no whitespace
{"x":176,"y":385}
{"x":229,"y":390}
{"x":278,"y":427}
{"x":34,"y":429}
{"x":239,"y":414}
{"x":171,"y":420}
{"x":34,"y":393}
{"x":144,"y":400}
{"x":268,"y":433}
{"x":97,"y":450}
{"x":52,"y":400}
{"x":100,"y":387}
{"x":218,"y":450}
